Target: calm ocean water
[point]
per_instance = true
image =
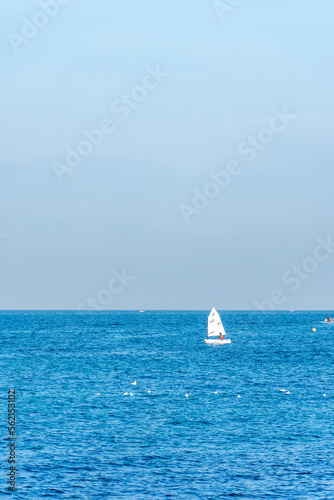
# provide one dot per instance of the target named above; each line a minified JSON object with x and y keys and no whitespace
{"x":79,"y":436}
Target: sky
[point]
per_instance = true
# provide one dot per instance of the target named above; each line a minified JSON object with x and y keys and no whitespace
{"x":167,"y":155}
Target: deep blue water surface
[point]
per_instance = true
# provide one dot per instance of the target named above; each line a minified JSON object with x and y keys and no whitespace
{"x":80,"y":436}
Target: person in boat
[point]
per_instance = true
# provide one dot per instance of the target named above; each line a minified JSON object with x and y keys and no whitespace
{"x":221,"y":336}
{"x":329,"y":320}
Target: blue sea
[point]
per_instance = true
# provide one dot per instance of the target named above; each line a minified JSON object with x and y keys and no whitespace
{"x":251,"y":420}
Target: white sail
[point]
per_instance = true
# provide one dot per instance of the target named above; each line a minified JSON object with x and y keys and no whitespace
{"x":215,"y":326}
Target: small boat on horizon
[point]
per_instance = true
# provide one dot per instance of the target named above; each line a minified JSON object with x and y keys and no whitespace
{"x":215,"y":328}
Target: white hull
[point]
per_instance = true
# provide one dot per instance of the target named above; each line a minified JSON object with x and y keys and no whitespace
{"x":217,"y":341}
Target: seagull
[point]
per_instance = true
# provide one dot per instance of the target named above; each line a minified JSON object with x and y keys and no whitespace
{"x":148,"y":391}
{"x":187,"y":395}
{"x":134,"y":383}
{"x":325,"y":394}
{"x":287,"y":392}
{"x":216,"y":392}
{"x":125,"y":394}
{"x":98,"y":394}
{"x":131,"y":394}
{"x":239,"y":396}
{"x":282,"y":390}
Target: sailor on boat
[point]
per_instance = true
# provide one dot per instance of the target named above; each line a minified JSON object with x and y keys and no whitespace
{"x":215,"y":328}
{"x":329,"y":320}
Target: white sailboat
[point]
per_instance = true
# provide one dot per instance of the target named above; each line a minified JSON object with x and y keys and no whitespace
{"x":215,"y":329}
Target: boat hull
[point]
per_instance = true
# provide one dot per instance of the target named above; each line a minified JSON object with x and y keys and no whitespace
{"x":217,"y":341}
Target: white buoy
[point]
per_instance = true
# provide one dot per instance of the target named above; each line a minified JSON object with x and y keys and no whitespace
{"x":148,"y":391}
{"x":325,"y":394}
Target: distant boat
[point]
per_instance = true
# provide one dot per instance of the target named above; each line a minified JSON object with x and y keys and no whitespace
{"x":141,"y":311}
{"x":215,"y":329}
{"x":329,"y":320}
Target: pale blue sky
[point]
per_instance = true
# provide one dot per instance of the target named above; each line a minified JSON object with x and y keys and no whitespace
{"x":120,"y":208}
